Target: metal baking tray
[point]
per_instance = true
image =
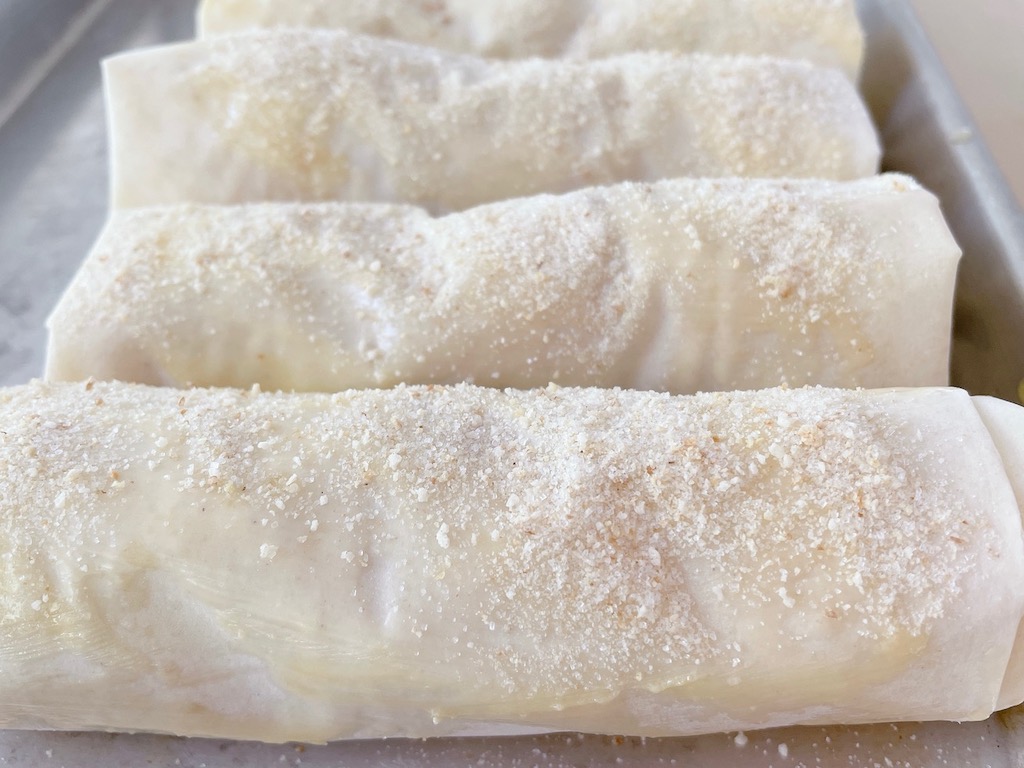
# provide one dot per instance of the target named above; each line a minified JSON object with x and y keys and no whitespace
{"x":927,"y":132}
{"x":53,"y":196}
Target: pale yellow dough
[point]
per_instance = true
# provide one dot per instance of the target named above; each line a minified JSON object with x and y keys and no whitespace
{"x":680,"y":286}
{"x":824,"y":31}
{"x":429,"y":561}
{"x":305,"y":115}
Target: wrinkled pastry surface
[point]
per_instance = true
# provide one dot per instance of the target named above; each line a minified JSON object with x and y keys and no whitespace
{"x":680,"y":286}
{"x":824,"y":31}
{"x":303,"y":115}
{"x":431,"y":560}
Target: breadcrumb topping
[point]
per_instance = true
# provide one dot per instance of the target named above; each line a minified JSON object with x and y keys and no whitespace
{"x":680,"y":285}
{"x":825,"y":31}
{"x":327,"y":115}
{"x":561,"y":545}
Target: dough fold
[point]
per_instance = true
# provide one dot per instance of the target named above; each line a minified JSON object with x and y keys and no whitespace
{"x":304,"y":115}
{"x":823,"y":31}
{"x":436,"y":560}
{"x":680,"y":286}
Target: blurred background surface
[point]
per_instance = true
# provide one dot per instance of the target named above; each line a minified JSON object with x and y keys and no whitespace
{"x":981,"y":43}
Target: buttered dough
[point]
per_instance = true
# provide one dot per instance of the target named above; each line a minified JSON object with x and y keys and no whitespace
{"x":303,"y":115}
{"x":824,"y":31}
{"x":681,"y":286}
{"x":434,"y":560}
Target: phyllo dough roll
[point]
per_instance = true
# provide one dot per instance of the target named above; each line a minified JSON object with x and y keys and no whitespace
{"x":824,"y":31}
{"x":434,"y":560}
{"x":680,"y":286}
{"x":327,"y":115}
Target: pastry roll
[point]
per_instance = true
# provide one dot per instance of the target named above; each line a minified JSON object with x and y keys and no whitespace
{"x":461,"y":560}
{"x":680,"y":285}
{"x":824,"y":31}
{"x":327,"y":115}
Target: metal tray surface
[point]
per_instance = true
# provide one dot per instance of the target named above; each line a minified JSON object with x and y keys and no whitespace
{"x":53,"y":177}
{"x":53,"y":196}
{"x":927,"y":132}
